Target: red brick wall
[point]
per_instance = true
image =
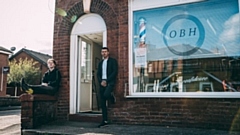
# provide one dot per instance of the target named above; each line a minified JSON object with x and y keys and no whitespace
{"x":3,"y":63}
{"x":215,"y":113}
{"x":186,"y":112}
{"x":34,"y":112}
{"x":62,"y":30}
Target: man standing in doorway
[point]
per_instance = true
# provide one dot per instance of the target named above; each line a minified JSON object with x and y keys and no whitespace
{"x":107,"y":73}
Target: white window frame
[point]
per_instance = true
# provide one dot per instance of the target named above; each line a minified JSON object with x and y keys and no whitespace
{"x":135,"y":5}
{"x":201,"y":84}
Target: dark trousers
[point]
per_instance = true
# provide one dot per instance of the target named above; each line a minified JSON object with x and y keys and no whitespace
{"x":105,"y":94}
{"x":41,"y":89}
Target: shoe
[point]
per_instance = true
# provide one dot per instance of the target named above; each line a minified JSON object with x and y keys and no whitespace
{"x":103,"y":124}
{"x":25,"y":87}
{"x":29,"y":91}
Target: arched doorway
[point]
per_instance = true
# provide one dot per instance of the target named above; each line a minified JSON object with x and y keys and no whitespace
{"x":87,"y":38}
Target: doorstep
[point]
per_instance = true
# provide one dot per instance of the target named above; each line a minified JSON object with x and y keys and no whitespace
{"x":85,"y":117}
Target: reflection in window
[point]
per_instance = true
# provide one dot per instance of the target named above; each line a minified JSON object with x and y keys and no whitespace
{"x":85,"y":62}
{"x":187,"y":48}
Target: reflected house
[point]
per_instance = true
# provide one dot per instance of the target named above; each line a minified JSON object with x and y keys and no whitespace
{"x":203,"y":68}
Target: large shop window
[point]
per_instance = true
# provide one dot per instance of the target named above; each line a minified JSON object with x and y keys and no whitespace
{"x":192,"y":47}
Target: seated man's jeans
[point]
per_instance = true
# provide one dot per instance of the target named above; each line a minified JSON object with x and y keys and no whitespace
{"x":41,"y":89}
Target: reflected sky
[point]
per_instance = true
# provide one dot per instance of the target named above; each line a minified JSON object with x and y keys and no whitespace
{"x":219,"y":18}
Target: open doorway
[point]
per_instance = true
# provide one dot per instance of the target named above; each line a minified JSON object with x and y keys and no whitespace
{"x":87,"y":39}
{"x":89,"y":49}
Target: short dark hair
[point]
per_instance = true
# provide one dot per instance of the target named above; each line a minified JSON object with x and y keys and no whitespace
{"x":105,"y":48}
{"x":51,"y":59}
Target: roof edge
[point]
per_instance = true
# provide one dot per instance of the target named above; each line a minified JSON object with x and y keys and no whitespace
{"x":5,"y":52}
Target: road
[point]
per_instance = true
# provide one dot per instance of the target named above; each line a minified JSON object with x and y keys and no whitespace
{"x":10,"y":122}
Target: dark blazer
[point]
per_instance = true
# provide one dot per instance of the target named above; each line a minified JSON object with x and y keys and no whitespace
{"x":52,"y":78}
{"x":112,"y":70}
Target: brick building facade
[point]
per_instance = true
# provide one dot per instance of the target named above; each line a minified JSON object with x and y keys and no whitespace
{"x":218,"y":110}
{"x":4,"y":54}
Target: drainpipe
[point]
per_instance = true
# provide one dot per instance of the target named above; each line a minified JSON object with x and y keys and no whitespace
{"x":2,"y":82}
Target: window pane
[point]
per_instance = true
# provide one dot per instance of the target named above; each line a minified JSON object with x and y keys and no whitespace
{"x":86,"y":61}
{"x":187,"y":48}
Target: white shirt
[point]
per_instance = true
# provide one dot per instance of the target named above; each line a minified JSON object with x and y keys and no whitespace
{"x":104,"y":69}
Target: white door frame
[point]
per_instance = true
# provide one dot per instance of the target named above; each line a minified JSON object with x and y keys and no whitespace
{"x":89,"y":23}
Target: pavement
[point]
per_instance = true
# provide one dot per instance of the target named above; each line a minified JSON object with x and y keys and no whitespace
{"x":10,"y":123}
{"x":87,"y":128}
{"x":4,"y":108}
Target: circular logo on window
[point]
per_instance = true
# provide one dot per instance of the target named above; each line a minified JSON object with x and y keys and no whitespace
{"x":183,"y":34}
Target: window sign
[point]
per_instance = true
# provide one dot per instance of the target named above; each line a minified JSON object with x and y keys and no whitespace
{"x":6,"y":70}
{"x":187,"y":48}
{"x":140,"y":57}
